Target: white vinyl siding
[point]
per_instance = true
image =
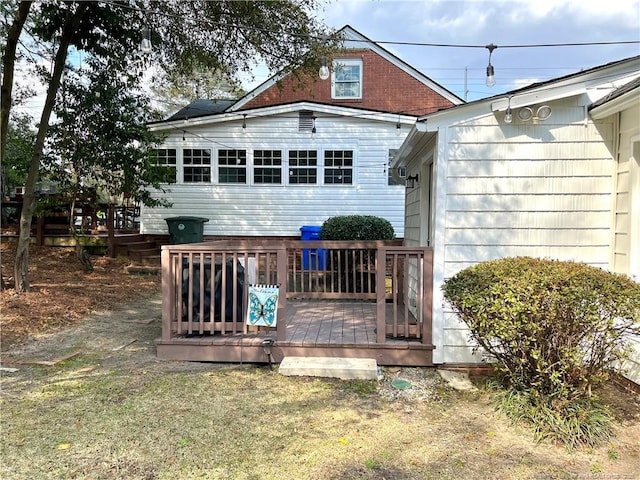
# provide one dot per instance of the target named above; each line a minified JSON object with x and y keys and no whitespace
{"x":627,"y":168}
{"x":626,"y":240}
{"x":540,"y":190}
{"x":261,"y":209}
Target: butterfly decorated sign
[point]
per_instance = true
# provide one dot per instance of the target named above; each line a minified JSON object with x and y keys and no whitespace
{"x":263,"y":305}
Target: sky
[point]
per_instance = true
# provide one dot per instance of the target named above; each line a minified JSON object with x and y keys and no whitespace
{"x":501,"y":22}
{"x":483,"y":22}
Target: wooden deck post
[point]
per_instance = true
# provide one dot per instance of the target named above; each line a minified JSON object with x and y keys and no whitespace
{"x":427,"y":295}
{"x":111,"y":236}
{"x":381,"y":303}
{"x":40,"y":230}
{"x":167,"y":294}
{"x":281,"y":262}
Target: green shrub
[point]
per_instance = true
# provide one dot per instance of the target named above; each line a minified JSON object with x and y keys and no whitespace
{"x":555,"y":328}
{"x":357,"y":227}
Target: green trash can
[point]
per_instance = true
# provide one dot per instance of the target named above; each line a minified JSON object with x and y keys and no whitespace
{"x":186,"y":229}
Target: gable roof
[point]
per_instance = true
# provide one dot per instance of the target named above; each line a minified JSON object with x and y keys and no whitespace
{"x":619,"y":99}
{"x":618,"y":75}
{"x":270,"y":110}
{"x":621,"y":72}
{"x":353,"y":39}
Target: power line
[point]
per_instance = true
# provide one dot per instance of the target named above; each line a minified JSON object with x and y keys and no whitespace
{"x":381,"y":42}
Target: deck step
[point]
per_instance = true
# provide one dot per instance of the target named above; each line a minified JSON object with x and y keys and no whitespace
{"x":334,"y":367}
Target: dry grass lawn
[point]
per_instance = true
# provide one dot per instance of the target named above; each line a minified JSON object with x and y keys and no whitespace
{"x":112,"y":410}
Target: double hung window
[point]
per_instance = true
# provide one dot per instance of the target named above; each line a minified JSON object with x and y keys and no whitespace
{"x":267,"y":167}
{"x":196,"y":165}
{"x":347,"y":79}
{"x":303,"y":167}
{"x":165,"y":160}
{"x":232,"y":166}
{"x":338,"y":167}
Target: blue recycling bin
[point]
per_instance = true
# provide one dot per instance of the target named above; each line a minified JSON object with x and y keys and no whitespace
{"x":312,"y":258}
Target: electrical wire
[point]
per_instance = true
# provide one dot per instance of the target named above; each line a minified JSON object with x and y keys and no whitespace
{"x":380,"y":42}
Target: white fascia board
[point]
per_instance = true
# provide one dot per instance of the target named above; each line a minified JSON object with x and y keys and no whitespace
{"x":533,"y":97}
{"x":600,"y":79}
{"x":281,"y":109}
{"x":456,"y":115}
{"x":413,"y":138}
{"x":623,"y":102}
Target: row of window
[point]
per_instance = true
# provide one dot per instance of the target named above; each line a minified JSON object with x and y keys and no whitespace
{"x":233,"y":168}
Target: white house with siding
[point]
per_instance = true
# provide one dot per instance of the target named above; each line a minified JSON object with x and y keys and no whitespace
{"x":559,"y":179}
{"x":276,"y":174}
{"x":288,"y":155}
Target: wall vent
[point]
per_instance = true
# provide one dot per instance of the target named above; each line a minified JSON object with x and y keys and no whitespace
{"x":305,"y":121}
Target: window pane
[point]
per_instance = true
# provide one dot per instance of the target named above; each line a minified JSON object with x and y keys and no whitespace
{"x":232,"y":166}
{"x":267,"y":166}
{"x":347,"y":79}
{"x":165,"y":161}
{"x":338,"y":167}
{"x":196,"y":165}
{"x":400,"y":174}
{"x":303,"y":167}
{"x":348,"y":73}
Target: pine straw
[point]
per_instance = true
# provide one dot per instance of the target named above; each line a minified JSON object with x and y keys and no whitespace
{"x":61,"y":292}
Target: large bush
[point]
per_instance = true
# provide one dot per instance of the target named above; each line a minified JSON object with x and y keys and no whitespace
{"x":357,"y":227}
{"x":554,"y":327}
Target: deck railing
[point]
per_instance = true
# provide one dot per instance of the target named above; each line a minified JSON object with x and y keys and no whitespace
{"x":210,"y":281}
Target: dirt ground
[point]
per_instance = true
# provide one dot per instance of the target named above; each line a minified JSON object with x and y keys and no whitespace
{"x":82,"y":346}
{"x":62,"y":293}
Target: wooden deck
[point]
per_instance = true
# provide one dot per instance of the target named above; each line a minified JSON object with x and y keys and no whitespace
{"x":367,"y":300}
{"x":315,"y":328}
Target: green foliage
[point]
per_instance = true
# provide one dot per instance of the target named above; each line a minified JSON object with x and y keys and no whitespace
{"x":100,"y":139}
{"x":357,"y":227}
{"x":15,"y":164}
{"x":583,"y":422}
{"x":555,"y":328}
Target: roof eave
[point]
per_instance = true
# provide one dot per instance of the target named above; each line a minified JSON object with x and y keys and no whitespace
{"x":628,"y":100}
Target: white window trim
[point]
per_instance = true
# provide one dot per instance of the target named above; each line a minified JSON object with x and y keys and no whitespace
{"x":347,"y":62}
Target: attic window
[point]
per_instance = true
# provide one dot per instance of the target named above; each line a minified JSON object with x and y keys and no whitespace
{"x":305,"y":121}
{"x":346,"y":81}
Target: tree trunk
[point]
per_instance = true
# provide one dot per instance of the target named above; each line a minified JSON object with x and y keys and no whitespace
{"x":29,"y":202}
{"x":8,"y":65}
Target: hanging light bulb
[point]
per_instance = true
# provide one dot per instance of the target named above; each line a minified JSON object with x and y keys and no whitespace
{"x":508,"y":115}
{"x":491,"y":79}
{"x":323,"y":73}
{"x":145,"y":44}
